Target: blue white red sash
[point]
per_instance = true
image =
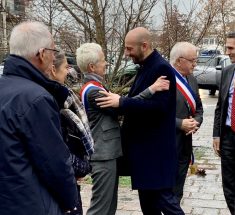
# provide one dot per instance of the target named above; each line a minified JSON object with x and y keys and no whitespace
{"x":86,"y":87}
{"x":186,"y":91}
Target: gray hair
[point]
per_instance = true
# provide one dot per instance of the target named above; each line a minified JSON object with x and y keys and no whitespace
{"x":88,"y":53}
{"x":28,"y":37}
{"x":180,"y":49}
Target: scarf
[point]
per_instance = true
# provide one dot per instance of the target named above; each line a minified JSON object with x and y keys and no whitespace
{"x":186,"y":91}
{"x":79,"y":118}
{"x":86,"y":87}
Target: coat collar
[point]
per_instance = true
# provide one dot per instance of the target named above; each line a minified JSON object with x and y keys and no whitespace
{"x":18,"y":66}
{"x":92,"y":76}
{"x":150,"y":58}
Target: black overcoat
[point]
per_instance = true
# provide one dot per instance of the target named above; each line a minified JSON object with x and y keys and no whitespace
{"x":36,"y":176}
{"x":148,"y":131}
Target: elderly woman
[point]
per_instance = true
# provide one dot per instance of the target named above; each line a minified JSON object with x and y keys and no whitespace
{"x":105,"y":130}
{"x":74,"y":123}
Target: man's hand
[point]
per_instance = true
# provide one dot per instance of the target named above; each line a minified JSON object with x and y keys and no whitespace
{"x":190,"y":126}
{"x":109,"y":100}
{"x":216,"y":145}
{"x":160,"y":84}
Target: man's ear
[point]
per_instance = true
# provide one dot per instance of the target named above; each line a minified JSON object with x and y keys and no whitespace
{"x":177,"y":62}
{"x":91,"y":67}
{"x":52,"y":72}
{"x":144,"y":46}
{"x":41,"y":54}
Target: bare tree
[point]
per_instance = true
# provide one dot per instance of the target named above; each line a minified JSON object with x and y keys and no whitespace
{"x":107,"y":22}
{"x":221,"y":23}
{"x":176,"y":27}
{"x":9,"y":17}
{"x":59,"y":21}
{"x":203,"y":18}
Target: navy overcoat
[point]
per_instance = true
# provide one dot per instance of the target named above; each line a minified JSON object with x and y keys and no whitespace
{"x":36,"y":176}
{"x":149,"y":128}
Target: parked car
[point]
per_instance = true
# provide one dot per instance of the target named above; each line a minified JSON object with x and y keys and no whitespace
{"x":208,"y":71}
{"x":126,"y":72}
{"x":120,"y":80}
{"x":1,"y":68}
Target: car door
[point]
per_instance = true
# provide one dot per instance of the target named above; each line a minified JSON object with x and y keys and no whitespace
{"x":224,"y":61}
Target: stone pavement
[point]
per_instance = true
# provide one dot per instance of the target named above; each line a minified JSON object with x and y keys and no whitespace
{"x":202,"y":195}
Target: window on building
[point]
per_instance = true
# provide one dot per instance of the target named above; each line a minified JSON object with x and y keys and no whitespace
{"x":205,"y":41}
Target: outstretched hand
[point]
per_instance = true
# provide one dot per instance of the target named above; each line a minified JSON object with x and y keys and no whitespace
{"x":109,"y":100}
{"x":160,"y":84}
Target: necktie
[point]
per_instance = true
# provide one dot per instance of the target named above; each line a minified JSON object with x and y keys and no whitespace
{"x":233,"y":112}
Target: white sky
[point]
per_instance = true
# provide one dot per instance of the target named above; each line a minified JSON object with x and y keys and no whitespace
{"x":183,"y":5}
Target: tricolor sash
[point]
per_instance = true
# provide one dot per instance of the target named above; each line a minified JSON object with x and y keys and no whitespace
{"x":186,"y":91}
{"x":86,"y":87}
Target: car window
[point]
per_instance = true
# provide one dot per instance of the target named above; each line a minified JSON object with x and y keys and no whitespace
{"x":218,"y":61}
{"x":1,"y":69}
{"x":224,"y":62}
{"x":227,"y":62}
{"x":206,"y":61}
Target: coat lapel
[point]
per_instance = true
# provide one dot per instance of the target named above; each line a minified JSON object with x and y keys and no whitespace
{"x":227,"y":80}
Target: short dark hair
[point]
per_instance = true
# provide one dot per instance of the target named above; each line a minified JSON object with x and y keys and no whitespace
{"x":231,"y":34}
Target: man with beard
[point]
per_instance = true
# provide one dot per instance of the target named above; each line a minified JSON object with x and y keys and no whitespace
{"x":148,"y":131}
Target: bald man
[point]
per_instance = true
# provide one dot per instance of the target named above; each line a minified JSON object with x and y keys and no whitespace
{"x":148,"y":131}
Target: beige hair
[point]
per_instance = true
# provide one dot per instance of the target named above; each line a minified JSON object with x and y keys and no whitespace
{"x":180,"y":49}
{"x":88,"y":53}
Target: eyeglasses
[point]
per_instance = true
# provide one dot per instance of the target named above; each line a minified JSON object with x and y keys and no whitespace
{"x":54,"y":50}
{"x":191,"y":61}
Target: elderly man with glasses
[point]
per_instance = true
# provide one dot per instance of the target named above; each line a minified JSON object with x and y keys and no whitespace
{"x":36,"y":176}
{"x":189,"y":111}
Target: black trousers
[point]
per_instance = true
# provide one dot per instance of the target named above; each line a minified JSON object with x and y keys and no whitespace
{"x":184,"y":150}
{"x":153,"y":202}
{"x":227,"y":149}
{"x":182,"y":171}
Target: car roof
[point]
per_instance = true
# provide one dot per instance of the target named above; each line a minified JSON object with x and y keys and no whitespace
{"x":213,"y":56}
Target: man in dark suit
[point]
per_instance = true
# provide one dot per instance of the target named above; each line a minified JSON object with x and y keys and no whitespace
{"x":148,"y":131}
{"x":224,"y":132}
{"x":189,"y":111}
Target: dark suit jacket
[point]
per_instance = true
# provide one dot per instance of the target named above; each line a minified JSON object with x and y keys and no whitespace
{"x":148,"y":131}
{"x":222,"y":104}
{"x":184,"y":143}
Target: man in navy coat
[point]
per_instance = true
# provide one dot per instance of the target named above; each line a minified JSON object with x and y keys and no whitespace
{"x":36,"y":175}
{"x":148,"y":129}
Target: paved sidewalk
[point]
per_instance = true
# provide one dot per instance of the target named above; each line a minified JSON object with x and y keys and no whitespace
{"x":202,"y":195}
